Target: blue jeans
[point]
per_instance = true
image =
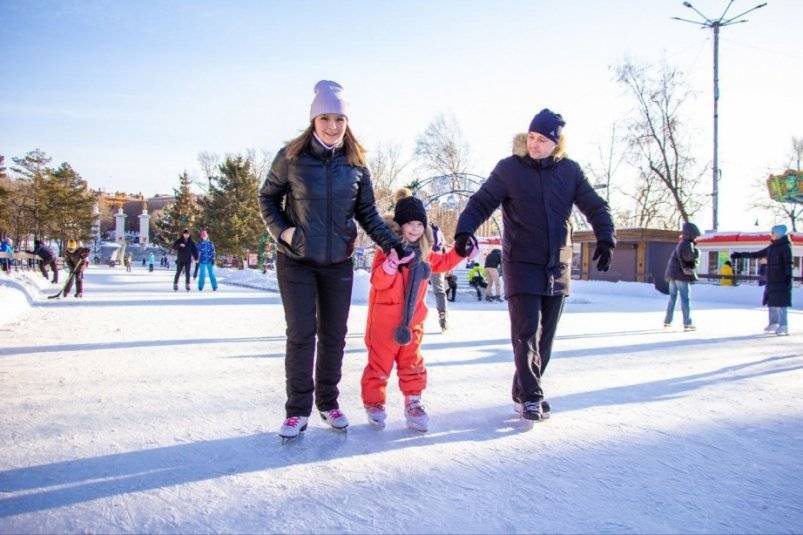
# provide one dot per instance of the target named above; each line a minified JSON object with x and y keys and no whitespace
{"x":681,"y":287}
{"x":778,"y":315}
{"x":204,"y":269}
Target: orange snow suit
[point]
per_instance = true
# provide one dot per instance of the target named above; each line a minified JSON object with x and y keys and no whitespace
{"x":385,"y":311}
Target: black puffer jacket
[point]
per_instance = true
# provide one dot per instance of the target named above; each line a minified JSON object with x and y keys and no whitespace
{"x":320,"y":195}
{"x":685,"y":255}
{"x":185,"y":250}
{"x":535,"y":194}
{"x":778,"y":292}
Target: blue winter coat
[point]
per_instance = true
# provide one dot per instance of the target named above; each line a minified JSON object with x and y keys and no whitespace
{"x":206,"y":252}
{"x":535,"y":194}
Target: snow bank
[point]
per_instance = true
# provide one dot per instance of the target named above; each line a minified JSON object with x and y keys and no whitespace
{"x":17,"y":291}
{"x":742,"y":295}
{"x":254,"y":278}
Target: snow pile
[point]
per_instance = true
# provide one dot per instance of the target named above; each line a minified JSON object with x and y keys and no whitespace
{"x":742,"y":295}
{"x":18,"y":291}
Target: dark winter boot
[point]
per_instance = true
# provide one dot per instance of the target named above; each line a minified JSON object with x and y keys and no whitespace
{"x":175,"y":287}
{"x":442,"y":321}
{"x":545,"y":409}
{"x":532,"y":411}
{"x":188,"y":287}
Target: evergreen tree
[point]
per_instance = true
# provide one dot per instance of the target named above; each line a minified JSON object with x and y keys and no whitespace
{"x":34,"y":172}
{"x":71,"y":204}
{"x":231,"y":210}
{"x":182,"y":213}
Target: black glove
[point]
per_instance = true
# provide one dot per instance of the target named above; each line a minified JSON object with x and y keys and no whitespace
{"x":464,"y":243}
{"x":603,"y":254}
{"x":401,"y":250}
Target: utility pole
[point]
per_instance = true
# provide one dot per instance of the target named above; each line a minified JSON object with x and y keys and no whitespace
{"x":716,"y":24}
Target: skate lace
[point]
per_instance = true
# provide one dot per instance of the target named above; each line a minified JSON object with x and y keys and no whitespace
{"x":335,"y":414}
{"x":532,"y":405}
{"x":292,"y":421}
{"x":414,"y":408}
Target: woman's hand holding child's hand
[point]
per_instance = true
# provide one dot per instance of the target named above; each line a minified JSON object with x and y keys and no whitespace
{"x":392,"y":262}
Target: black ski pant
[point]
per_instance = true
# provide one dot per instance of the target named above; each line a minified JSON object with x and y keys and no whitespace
{"x":316,"y":302}
{"x":533,"y":321}
{"x":181,"y":266}
{"x":52,"y":264}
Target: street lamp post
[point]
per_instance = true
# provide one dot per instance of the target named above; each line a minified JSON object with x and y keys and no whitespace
{"x":716,"y":24}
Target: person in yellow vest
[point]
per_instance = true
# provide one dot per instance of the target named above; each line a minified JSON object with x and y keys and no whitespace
{"x":726,"y":271}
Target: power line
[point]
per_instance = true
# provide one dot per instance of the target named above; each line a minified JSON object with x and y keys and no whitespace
{"x":715,"y":25}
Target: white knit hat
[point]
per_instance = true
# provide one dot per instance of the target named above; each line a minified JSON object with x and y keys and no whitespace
{"x":329,"y":98}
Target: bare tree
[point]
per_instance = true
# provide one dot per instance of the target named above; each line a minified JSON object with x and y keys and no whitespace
{"x":209,"y":162}
{"x":647,"y":204}
{"x":441,"y":149}
{"x":655,"y":133}
{"x":387,"y":164}
{"x":260,"y":160}
{"x":760,"y":200}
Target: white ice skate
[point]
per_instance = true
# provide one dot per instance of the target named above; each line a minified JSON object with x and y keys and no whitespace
{"x":376,"y":415}
{"x":336,"y":419}
{"x":782,"y":330}
{"x":417,"y":418}
{"x":293,"y":426}
{"x":771,"y":328}
{"x":546,"y":409}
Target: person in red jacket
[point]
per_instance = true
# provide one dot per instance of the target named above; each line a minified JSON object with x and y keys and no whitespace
{"x":385,"y":310}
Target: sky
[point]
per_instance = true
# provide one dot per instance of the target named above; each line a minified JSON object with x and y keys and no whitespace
{"x":129,"y":93}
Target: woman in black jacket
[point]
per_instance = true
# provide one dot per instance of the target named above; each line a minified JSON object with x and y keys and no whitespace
{"x":537,"y":188}
{"x":778,"y":291}
{"x":317,"y":186}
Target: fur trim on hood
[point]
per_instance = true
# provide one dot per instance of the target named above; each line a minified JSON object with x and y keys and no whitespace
{"x":424,"y":243}
{"x":520,"y":144}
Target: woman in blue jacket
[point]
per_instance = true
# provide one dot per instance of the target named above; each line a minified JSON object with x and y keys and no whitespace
{"x":537,"y":188}
{"x":206,"y":261}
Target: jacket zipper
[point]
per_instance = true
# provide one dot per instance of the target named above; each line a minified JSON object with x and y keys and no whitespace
{"x":329,"y":211}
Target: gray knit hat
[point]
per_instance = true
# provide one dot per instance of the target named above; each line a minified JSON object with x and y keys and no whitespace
{"x":329,"y":98}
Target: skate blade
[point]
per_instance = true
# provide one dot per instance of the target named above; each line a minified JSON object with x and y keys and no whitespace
{"x":286,"y":438}
{"x":376,"y":424}
{"x":417,"y":428}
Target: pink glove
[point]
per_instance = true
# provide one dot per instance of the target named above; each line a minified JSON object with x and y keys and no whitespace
{"x":392,"y":262}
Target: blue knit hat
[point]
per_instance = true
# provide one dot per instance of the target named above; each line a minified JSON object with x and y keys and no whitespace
{"x":329,"y":98}
{"x":548,"y":124}
{"x":779,"y":230}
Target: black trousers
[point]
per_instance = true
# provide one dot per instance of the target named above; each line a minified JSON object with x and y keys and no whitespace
{"x":43,"y":268}
{"x":533,"y":322}
{"x":316,"y":302}
{"x":186,"y":268}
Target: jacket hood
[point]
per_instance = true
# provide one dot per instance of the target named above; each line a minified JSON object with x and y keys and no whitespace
{"x":520,"y":144}
{"x":690,"y":231}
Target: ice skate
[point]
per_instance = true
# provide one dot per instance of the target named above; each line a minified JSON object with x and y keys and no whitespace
{"x":782,"y":330}
{"x":532,"y":410}
{"x":376,"y":415}
{"x":771,"y":328}
{"x":546,"y":409}
{"x":292,"y":427}
{"x":689,"y":327}
{"x":667,"y":325}
{"x":336,"y":419}
{"x":442,"y":321}
{"x":187,"y":287}
{"x":175,"y":287}
{"x":417,"y":418}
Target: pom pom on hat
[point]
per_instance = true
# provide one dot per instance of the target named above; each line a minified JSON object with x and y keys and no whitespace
{"x":408,"y":208}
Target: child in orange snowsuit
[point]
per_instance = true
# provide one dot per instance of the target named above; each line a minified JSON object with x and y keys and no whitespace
{"x":385,"y":311}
